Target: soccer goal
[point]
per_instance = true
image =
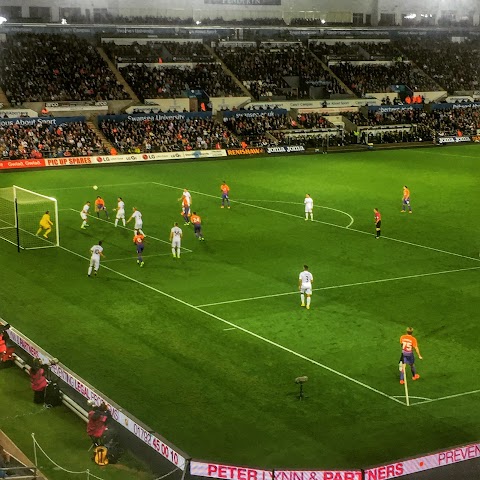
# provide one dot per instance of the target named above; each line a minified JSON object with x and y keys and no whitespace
{"x":20,"y":213}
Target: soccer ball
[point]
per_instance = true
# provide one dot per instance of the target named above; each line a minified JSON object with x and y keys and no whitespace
{"x":95,"y":187}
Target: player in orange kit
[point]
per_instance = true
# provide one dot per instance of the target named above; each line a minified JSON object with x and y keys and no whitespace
{"x":409,"y":344}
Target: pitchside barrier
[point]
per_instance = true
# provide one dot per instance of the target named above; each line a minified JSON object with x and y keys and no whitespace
{"x":162,"y":457}
{"x":462,"y":462}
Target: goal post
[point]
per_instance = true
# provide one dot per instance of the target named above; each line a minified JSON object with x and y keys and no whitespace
{"x":20,"y":213}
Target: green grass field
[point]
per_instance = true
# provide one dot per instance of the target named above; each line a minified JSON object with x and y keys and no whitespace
{"x":205,"y":349}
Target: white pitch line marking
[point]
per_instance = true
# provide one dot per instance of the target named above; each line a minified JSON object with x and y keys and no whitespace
{"x":231,"y":328}
{"x":298,"y":203}
{"x":238,"y":327}
{"x":327,"y":223}
{"x":456,"y":395}
{"x":332,"y":287}
{"x":416,"y":398}
{"x":126,"y":228}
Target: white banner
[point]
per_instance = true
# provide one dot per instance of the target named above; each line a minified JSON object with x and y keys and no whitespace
{"x":453,"y":139}
{"x":318,"y":475}
{"x":228,"y":472}
{"x":122,"y":418}
{"x":134,"y":157}
{"x":419,"y":464}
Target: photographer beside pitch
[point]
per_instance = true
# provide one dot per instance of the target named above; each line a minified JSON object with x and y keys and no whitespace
{"x":98,"y":417}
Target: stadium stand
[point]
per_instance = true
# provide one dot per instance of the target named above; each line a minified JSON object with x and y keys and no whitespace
{"x":45,"y":141}
{"x":363,"y":79}
{"x":157,"y":52}
{"x":43,"y":67}
{"x":171,"y":82}
{"x":284,"y":71}
{"x":255,"y":130}
{"x":167,"y":135}
{"x":455,"y":66}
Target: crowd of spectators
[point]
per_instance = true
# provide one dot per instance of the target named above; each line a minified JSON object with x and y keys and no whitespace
{"x":255,"y":130}
{"x":337,"y":51}
{"x":157,"y":52}
{"x":265,"y":70}
{"x":363,"y":79}
{"x":455,"y":66}
{"x":73,"y":139}
{"x":167,"y":135}
{"x":311,"y":120}
{"x":382,"y":51}
{"x":172,"y":82}
{"x":41,"y":67}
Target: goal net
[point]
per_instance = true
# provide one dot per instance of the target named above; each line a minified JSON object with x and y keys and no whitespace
{"x":20,"y":213}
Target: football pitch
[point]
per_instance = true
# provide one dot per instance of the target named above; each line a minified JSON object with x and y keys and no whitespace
{"x":205,"y":349}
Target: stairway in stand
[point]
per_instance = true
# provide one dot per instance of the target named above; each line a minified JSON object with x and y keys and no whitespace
{"x":4,"y":100}
{"x":100,"y":135}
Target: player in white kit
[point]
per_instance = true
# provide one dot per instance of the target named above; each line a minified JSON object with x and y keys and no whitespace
{"x":308,"y":207}
{"x":138,"y":221}
{"x":305,"y":280}
{"x":120,"y":211}
{"x":84,"y":215}
{"x":96,"y":252}
{"x":187,"y":196}
{"x":176,"y":239}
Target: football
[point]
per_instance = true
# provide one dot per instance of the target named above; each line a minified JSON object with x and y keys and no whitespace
{"x":95,"y":187}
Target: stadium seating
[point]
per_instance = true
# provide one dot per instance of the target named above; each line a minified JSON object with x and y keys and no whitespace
{"x":168,"y":135}
{"x":36,"y":68}
{"x":44,"y":141}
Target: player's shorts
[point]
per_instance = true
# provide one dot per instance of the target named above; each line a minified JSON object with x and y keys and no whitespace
{"x":306,"y":290}
{"x":138,"y":225}
{"x":378,"y":224}
{"x":140,"y":248}
{"x":186,"y":210}
{"x":100,"y":207}
{"x":408,"y":358}
{"x":308,"y":210}
{"x":197,"y":228}
{"x":225,"y":195}
{"x":406,"y":201}
{"x":120,"y":214}
{"x":95,"y":263}
{"x":176,"y":243}
{"x":83,"y":215}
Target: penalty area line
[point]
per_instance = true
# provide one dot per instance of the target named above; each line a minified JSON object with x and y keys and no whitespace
{"x":244,"y":330}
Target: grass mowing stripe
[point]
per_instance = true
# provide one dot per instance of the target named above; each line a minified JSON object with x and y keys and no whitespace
{"x":339,"y":286}
{"x":327,"y":223}
{"x":126,"y":228}
{"x":249,"y":332}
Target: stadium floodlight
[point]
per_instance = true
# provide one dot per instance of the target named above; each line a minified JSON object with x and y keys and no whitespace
{"x":20,"y":213}
{"x":323,"y":21}
{"x":64,"y":21}
{"x":411,"y":16}
{"x":2,"y":20}
{"x":198,"y":22}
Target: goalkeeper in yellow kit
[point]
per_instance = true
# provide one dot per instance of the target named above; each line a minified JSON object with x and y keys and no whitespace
{"x":45,"y":224}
